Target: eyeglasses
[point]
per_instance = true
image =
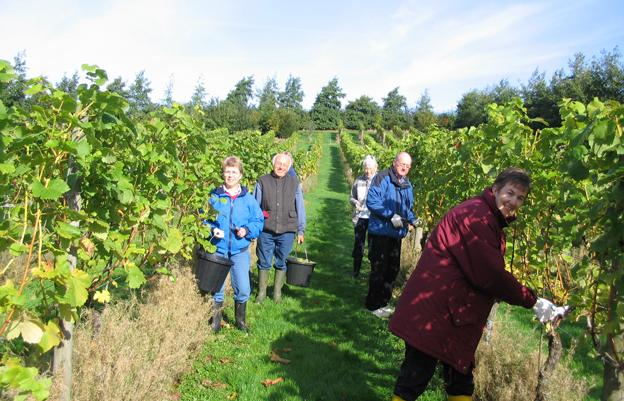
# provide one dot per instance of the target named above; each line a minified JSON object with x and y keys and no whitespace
{"x":404,"y":165}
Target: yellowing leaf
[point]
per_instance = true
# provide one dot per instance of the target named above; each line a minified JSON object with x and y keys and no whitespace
{"x":31,"y":331}
{"x":102,"y":296}
{"x":51,"y":337}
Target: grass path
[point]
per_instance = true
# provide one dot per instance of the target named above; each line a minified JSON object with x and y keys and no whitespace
{"x":337,"y":350}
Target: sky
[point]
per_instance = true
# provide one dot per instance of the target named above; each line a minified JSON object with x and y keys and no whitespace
{"x":443,"y":47}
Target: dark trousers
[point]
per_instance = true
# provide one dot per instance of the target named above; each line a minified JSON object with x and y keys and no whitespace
{"x":384,"y":254}
{"x":418,"y":368}
{"x":358,"y":245}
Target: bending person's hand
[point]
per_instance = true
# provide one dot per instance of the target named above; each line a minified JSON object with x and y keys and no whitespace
{"x":300,"y":238}
{"x":546,"y":311}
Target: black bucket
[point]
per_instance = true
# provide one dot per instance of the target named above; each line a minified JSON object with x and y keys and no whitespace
{"x":211,"y":271}
{"x":299,"y":271}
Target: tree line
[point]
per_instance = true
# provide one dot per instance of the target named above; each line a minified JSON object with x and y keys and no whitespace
{"x":269,"y":108}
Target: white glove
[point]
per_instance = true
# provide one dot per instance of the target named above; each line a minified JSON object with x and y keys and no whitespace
{"x":397,"y":221}
{"x":218,"y":233}
{"x":546,"y":311}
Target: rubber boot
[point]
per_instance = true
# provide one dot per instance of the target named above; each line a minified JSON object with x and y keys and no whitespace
{"x":280,"y":276}
{"x":240,"y":309}
{"x":263,"y":280}
{"x":396,"y":398}
{"x":459,"y":398}
{"x":217,"y":314}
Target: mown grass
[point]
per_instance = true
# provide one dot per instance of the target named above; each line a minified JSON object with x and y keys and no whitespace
{"x":335,"y":348}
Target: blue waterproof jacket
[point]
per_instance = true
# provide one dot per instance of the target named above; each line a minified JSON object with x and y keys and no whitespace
{"x":388,"y":196}
{"x":243,"y":211}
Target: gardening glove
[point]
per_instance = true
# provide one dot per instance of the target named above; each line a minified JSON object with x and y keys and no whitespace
{"x":546,"y":311}
{"x":396,"y":221}
{"x":218,"y":233}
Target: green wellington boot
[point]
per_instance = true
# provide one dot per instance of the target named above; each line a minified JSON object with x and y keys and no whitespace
{"x":263,"y":281}
{"x":280,"y":278}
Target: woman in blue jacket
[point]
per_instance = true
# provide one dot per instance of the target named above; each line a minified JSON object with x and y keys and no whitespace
{"x":239,"y":220}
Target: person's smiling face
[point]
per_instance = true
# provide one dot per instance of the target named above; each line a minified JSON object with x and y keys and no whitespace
{"x":509,"y":198}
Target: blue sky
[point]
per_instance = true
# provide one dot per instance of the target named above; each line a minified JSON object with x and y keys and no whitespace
{"x":442,"y":46}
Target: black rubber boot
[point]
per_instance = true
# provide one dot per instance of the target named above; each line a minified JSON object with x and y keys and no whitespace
{"x":240,"y":310}
{"x":357,"y":265}
{"x":263,"y":281}
{"x":280,"y":277}
{"x":217,"y":315}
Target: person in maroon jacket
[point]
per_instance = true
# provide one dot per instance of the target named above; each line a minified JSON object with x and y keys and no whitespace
{"x":461,"y":273}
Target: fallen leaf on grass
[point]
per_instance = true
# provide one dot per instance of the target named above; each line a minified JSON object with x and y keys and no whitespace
{"x":215,"y":384}
{"x":209,"y":358}
{"x":176,"y":396}
{"x":269,"y":382}
{"x":276,"y":358}
{"x":225,"y":360}
{"x":233,"y":396}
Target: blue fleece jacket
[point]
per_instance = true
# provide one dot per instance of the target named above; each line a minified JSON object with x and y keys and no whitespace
{"x":387,"y":196}
{"x":240,"y":212}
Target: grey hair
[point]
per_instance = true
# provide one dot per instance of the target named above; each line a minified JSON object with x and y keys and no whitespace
{"x":369,"y":160}
{"x":287,"y":154}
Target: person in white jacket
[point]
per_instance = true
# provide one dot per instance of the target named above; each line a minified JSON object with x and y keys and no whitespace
{"x":359,"y":191}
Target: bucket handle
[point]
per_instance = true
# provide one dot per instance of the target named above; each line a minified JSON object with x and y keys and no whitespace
{"x":304,"y":250}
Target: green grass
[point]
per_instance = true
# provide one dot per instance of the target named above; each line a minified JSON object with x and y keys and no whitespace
{"x":337,"y":349}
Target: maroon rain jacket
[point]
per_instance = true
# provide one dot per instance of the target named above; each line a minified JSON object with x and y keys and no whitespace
{"x":460,"y":274}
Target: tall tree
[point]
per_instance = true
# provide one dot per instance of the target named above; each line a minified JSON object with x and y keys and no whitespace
{"x":361,"y":112}
{"x":325,"y":111}
{"x":118,"y":86}
{"x":198,"y":98}
{"x":471,"y":108}
{"x":394,"y":110}
{"x":242,"y":93}
{"x":69,"y":85}
{"x":267,"y":104}
{"x":139,"y":95}
{"x":12,"y":92}
{"x":292,"y":96}
{"x":168,"y":99}
{"x":424,"y":116}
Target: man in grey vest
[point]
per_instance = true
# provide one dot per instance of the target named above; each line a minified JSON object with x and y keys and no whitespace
{"x":281,"y":200}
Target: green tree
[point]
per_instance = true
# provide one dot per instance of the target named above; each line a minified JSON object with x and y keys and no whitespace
{"x":267,"y":104}
{"x":69,"y":85}
{"x":394,"y":110}
{"x":168,"y":99}
{"x":325,"y":111}
{"x":198,"y":98}
{"x":292,"y":96}
{"x":471,"y":108}
{"x":139,"y":95}
{"x":118,"y":86}
{"x":424,"y":116}
{"x":361,"y":111}
{"x":12,"y":92}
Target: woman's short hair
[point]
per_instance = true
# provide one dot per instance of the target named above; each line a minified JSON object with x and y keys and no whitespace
{"x":514,"y":175}
{"x":369,"y":160}
{"x":232,"y":161}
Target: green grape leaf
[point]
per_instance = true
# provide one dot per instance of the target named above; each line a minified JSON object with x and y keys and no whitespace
{"x":56,"y":187}
{"x":77,"y":283}
{"x":67,"y":230}
{"x":173,"y":242}
{"x":136,"y":278}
